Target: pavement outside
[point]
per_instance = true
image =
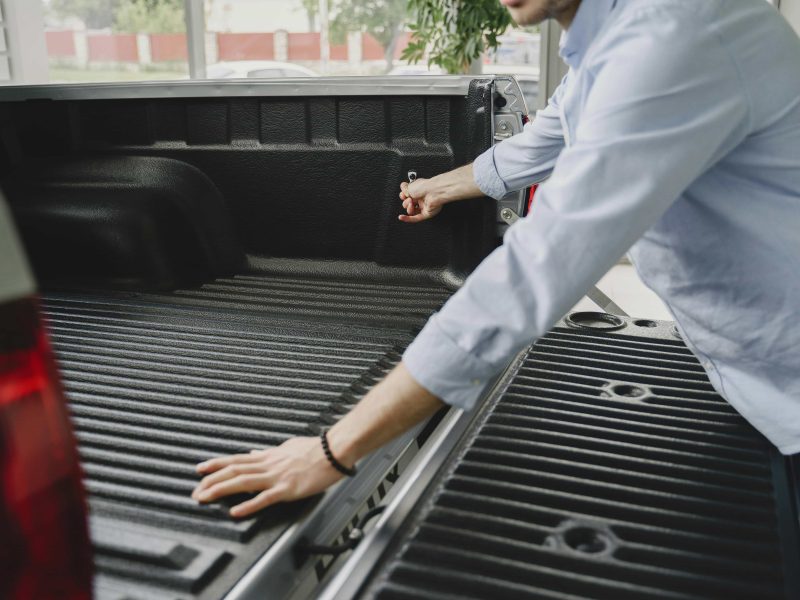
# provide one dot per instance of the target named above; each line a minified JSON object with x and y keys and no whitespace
{"x":624,"y":287}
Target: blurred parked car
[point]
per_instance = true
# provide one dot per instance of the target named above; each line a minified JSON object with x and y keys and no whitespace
{"x":257,"y":69}
{"x":418,"y":69}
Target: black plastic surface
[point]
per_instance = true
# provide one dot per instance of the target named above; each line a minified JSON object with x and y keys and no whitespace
{"x":132,"y":221}
{"x":564,"y":489}
{"x":164,"y":198}
{"x":300,"y":177}
{"x":157,"y":382}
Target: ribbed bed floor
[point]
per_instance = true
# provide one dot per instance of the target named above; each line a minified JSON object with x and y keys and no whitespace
{"x":159,"y":382}
{"x":608,"y":468}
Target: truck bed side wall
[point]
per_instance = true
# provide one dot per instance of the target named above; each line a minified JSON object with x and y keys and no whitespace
{"x":302,"y":177}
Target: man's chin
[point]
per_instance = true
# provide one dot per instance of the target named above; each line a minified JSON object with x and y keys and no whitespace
{"x":523,"y":13}
{"x":524,"y":20}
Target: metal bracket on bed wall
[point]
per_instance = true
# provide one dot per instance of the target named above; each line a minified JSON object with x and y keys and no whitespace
{"x":509,"y":114}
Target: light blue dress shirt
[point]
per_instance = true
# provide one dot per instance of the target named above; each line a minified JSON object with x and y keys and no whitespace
{"x":675,"y":135}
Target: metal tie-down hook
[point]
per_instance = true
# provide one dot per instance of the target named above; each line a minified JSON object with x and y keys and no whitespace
{"x":412,"y":177}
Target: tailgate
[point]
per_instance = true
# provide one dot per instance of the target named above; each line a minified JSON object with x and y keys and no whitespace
{"x":606,"y":466}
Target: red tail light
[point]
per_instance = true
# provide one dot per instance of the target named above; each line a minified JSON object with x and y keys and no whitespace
{"x":531,"y":194}
{"x":44,"y":544}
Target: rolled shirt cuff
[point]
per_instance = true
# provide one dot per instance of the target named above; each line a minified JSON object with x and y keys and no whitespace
{"x":486,"y":176}
{"x":442,"y":367}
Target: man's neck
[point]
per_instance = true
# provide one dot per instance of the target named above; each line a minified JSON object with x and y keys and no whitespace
{"x":565,"y":13}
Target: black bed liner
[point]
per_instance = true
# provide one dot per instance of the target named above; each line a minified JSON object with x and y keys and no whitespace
{"x":162,"y":188}
{"x":606,"y":467}
{"x":158,"y":382}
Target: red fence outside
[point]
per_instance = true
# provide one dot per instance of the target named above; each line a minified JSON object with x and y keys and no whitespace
{"x":370,"y":48}
{"x":116,"y":47}
{"x":60,"y":44}
{"x":172,"y":47}
{"x":402,"y":42}
{"x":168,"y":47}
{"x":339,"y":52}
{"x":304,"y":46}
{"x":246,"y":46}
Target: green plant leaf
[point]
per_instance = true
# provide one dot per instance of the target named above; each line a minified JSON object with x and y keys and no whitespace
{"x":455,"y":32}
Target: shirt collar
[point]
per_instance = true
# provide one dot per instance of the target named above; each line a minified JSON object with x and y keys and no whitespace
{"x":588,"y":21}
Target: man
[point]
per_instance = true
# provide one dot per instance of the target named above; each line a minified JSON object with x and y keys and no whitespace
{"x":676,"y":134}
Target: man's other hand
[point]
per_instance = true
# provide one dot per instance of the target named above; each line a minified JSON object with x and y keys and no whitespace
{"x":424,"y":198}
{"x":419,"y":202}
{"x":296,"y":469}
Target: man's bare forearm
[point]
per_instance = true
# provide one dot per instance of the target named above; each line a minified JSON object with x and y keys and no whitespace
{"x":393,"y":406}
{"x":458,"y":184}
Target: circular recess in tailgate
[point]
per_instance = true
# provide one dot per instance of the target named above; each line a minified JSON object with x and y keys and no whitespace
{"x":594,"y":320}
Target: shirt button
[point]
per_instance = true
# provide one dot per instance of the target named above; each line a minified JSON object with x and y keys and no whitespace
{"x":475,"y":381}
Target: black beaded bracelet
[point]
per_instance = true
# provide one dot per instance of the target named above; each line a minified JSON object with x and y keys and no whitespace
{"x":323,"y":436}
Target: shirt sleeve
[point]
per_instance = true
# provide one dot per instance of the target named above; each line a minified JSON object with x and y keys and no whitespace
{"x":525,"y":158}
{"x":658,"y":115}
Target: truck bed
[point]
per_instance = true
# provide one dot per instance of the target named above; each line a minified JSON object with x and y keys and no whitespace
{"x":222,"y":268}
{"x":157,"y":382}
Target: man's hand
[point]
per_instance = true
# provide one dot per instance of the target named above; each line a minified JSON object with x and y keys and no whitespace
{"x":298,"y":468}
{"x":424,"y":198}
{"x":419,"y":201}
{"x":295,"y":469}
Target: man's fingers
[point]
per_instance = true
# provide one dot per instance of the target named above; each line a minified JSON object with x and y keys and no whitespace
{"x":215,"y":464}
{"x":296,"y":468}
{"x":225,"y":473}
{"x":410,"y":206}
{"x":412,"y":218}
{"x":237,"y":485}
{"x":264,"y":499}
{"x":408,"y":200}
